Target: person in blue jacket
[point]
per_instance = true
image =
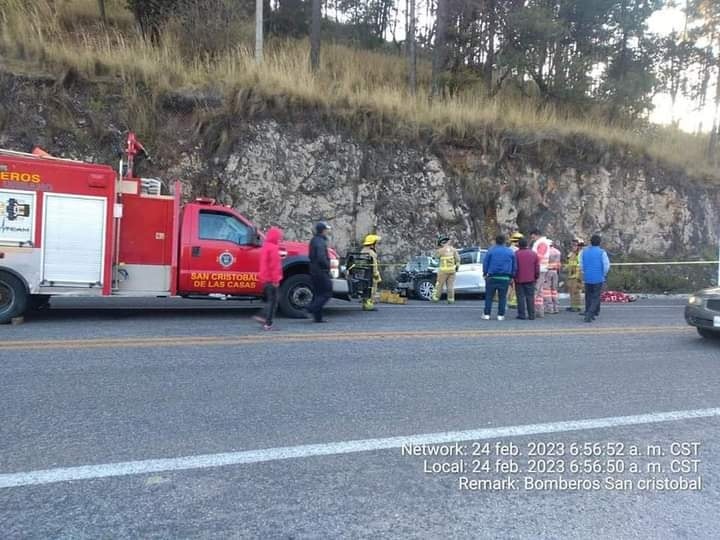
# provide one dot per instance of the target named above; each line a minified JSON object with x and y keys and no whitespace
{"x":499,"y":268}
{"x":594,"y":265}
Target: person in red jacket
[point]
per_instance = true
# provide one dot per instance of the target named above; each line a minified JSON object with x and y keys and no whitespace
{"x":528,"y":272}
{"x":270,"y":275}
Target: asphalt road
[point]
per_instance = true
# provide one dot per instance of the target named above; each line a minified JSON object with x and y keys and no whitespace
{"x":174,"y":419}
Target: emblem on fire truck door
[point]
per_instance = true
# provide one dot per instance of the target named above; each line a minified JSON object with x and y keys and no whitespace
{"x":226,"y":259}
{"x":17,"y":215}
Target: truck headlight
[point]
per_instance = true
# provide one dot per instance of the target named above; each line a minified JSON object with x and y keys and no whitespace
{"x":695,"y":300}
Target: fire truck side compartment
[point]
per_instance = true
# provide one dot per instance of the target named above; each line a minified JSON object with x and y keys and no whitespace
{"x":77,"y":195}
{"x":74,"y":240}
{"x":146,"y":244}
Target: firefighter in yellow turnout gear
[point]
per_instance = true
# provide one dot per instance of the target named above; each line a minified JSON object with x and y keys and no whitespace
{"x":512,"y":294}
{"x":370,"y":248}
{"x":449,"y":263}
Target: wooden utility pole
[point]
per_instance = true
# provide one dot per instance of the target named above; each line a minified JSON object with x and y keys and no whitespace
{"x":258,"y":31}
{"x":412,"y":49}
{"x":315,"y":35}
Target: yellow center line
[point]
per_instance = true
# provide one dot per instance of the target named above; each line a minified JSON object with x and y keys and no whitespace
{"x":189,"y":341}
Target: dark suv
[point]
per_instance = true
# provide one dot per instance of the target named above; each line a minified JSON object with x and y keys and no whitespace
{"x":703,"y":312}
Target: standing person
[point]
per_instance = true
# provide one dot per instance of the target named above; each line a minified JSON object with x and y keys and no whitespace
{"x":449,"y":264}
{"x":575,"y":279}
{"x":499,"y":268}
{"x":270,"y":275}
{"x":595,"y":265}
{"x":541,"y":247}
{"x":320,"y":271}
{"x":528,"y":272}
{"x":512,"y":294}
{"x":552,"y":280}
{"x":370,"y":248}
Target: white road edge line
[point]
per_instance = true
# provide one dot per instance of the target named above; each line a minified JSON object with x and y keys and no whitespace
{"x":89,"y":472}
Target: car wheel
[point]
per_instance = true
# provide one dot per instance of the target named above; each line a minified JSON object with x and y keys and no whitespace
{"x":296,"y":293}
{"x":13,"y":297}
{"x":708,"y":334}
{"x":424,"y":289}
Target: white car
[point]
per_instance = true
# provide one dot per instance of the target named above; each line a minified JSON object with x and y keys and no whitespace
{"x":469,"y":278}
{"x":419,"y":276}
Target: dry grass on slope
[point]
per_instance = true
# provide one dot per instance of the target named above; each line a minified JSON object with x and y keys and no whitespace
{"x":350,"y":81}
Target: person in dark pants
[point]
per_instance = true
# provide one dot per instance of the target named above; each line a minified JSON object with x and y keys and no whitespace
{"x":270,"y":275}
{"x":499,"y":267}
{"x":320,"y":271}
{"x":594,"y":265}
{"x":528,"y":272}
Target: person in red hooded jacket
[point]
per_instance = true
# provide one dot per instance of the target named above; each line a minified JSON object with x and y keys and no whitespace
{"x":270,"y":275}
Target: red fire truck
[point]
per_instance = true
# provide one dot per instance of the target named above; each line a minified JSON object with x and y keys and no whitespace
{"x":69,"y":228}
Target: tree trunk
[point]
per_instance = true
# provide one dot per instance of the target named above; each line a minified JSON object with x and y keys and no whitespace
{"x":259,"y":31}
{"x":412,"y":51}
{"x":559,"y":55}
{"x":385,"y":20}
{"x":676,"y":73}
{"x":715,"y":133}
{"x":440,"y":50}
{"x":406,"y":46}
{"x":101,"y":8}
{"x":617,"y":105}
{"x":489,"y":66}
{"x":315,"y":36}
{"x":267,"y":19}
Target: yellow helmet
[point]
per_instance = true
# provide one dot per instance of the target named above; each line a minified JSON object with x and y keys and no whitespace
{"x":516,"y":237}
{"x":371,"y":239}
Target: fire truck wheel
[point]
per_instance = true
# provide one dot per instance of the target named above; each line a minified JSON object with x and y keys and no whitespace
{"x":13,"y":297}
{"x":295,"y":294}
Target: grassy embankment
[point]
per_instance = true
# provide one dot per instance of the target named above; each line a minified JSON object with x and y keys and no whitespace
{"x":367,"y":88}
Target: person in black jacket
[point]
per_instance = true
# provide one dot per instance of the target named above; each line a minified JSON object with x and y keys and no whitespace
{"x":320,"y":271}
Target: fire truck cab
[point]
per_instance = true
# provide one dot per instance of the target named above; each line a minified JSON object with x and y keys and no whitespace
{"x":69,"y":228}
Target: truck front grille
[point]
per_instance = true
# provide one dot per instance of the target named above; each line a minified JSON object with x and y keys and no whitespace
{"x":713,"y":304}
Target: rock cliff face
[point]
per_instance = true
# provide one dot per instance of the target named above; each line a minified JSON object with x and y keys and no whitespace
{"x":294,"y":172}
{"x":408,"y":194}
{"x":275,"y":174}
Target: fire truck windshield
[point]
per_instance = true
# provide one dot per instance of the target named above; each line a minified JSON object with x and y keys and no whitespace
{"x":224,"y":227}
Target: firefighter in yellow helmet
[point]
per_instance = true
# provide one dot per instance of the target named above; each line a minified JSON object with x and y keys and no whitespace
{"x":515,"y":239}
{"x":512,"y":295}
{"x":449,"y":263}
{"x":370,"y":248}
